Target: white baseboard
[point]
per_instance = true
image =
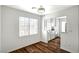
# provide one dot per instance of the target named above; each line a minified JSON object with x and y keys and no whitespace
{"x":20,"y":47}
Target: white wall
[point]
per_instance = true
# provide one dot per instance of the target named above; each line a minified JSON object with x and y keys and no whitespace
{"x":69,"y":40}
{"x":44,"y":30}
{"x":10,"y":31}
{"x":78,"y":30}
{"x":0,"y":28}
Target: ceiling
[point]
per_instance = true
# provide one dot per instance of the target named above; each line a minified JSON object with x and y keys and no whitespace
{"x":48,"y":8}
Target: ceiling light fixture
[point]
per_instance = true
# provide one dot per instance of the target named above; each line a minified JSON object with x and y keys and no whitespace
{"x":41,"y":9}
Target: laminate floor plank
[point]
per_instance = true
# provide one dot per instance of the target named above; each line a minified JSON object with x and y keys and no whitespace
{"x":53,"y":46}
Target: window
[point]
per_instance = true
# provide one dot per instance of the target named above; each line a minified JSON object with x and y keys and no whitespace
{"x":48,"y":24}
{"x":27,"y":26}
{"x":63,"y":26}
{"x":63,"y":23}
{"x":33,"y":26}
{"x":23,"y":26}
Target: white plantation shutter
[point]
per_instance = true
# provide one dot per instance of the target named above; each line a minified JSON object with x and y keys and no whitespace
{"x":33,"y":26}
{"x":27,"y":26}
{"x":21,"y":26}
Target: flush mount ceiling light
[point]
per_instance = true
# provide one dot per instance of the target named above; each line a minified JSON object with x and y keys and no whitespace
{"x":40,"y":9}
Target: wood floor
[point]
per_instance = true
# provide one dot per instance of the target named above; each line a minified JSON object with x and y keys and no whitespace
{"x":53,"y":46}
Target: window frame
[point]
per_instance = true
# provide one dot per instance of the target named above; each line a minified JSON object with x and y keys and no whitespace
{"x":29,"y":23}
